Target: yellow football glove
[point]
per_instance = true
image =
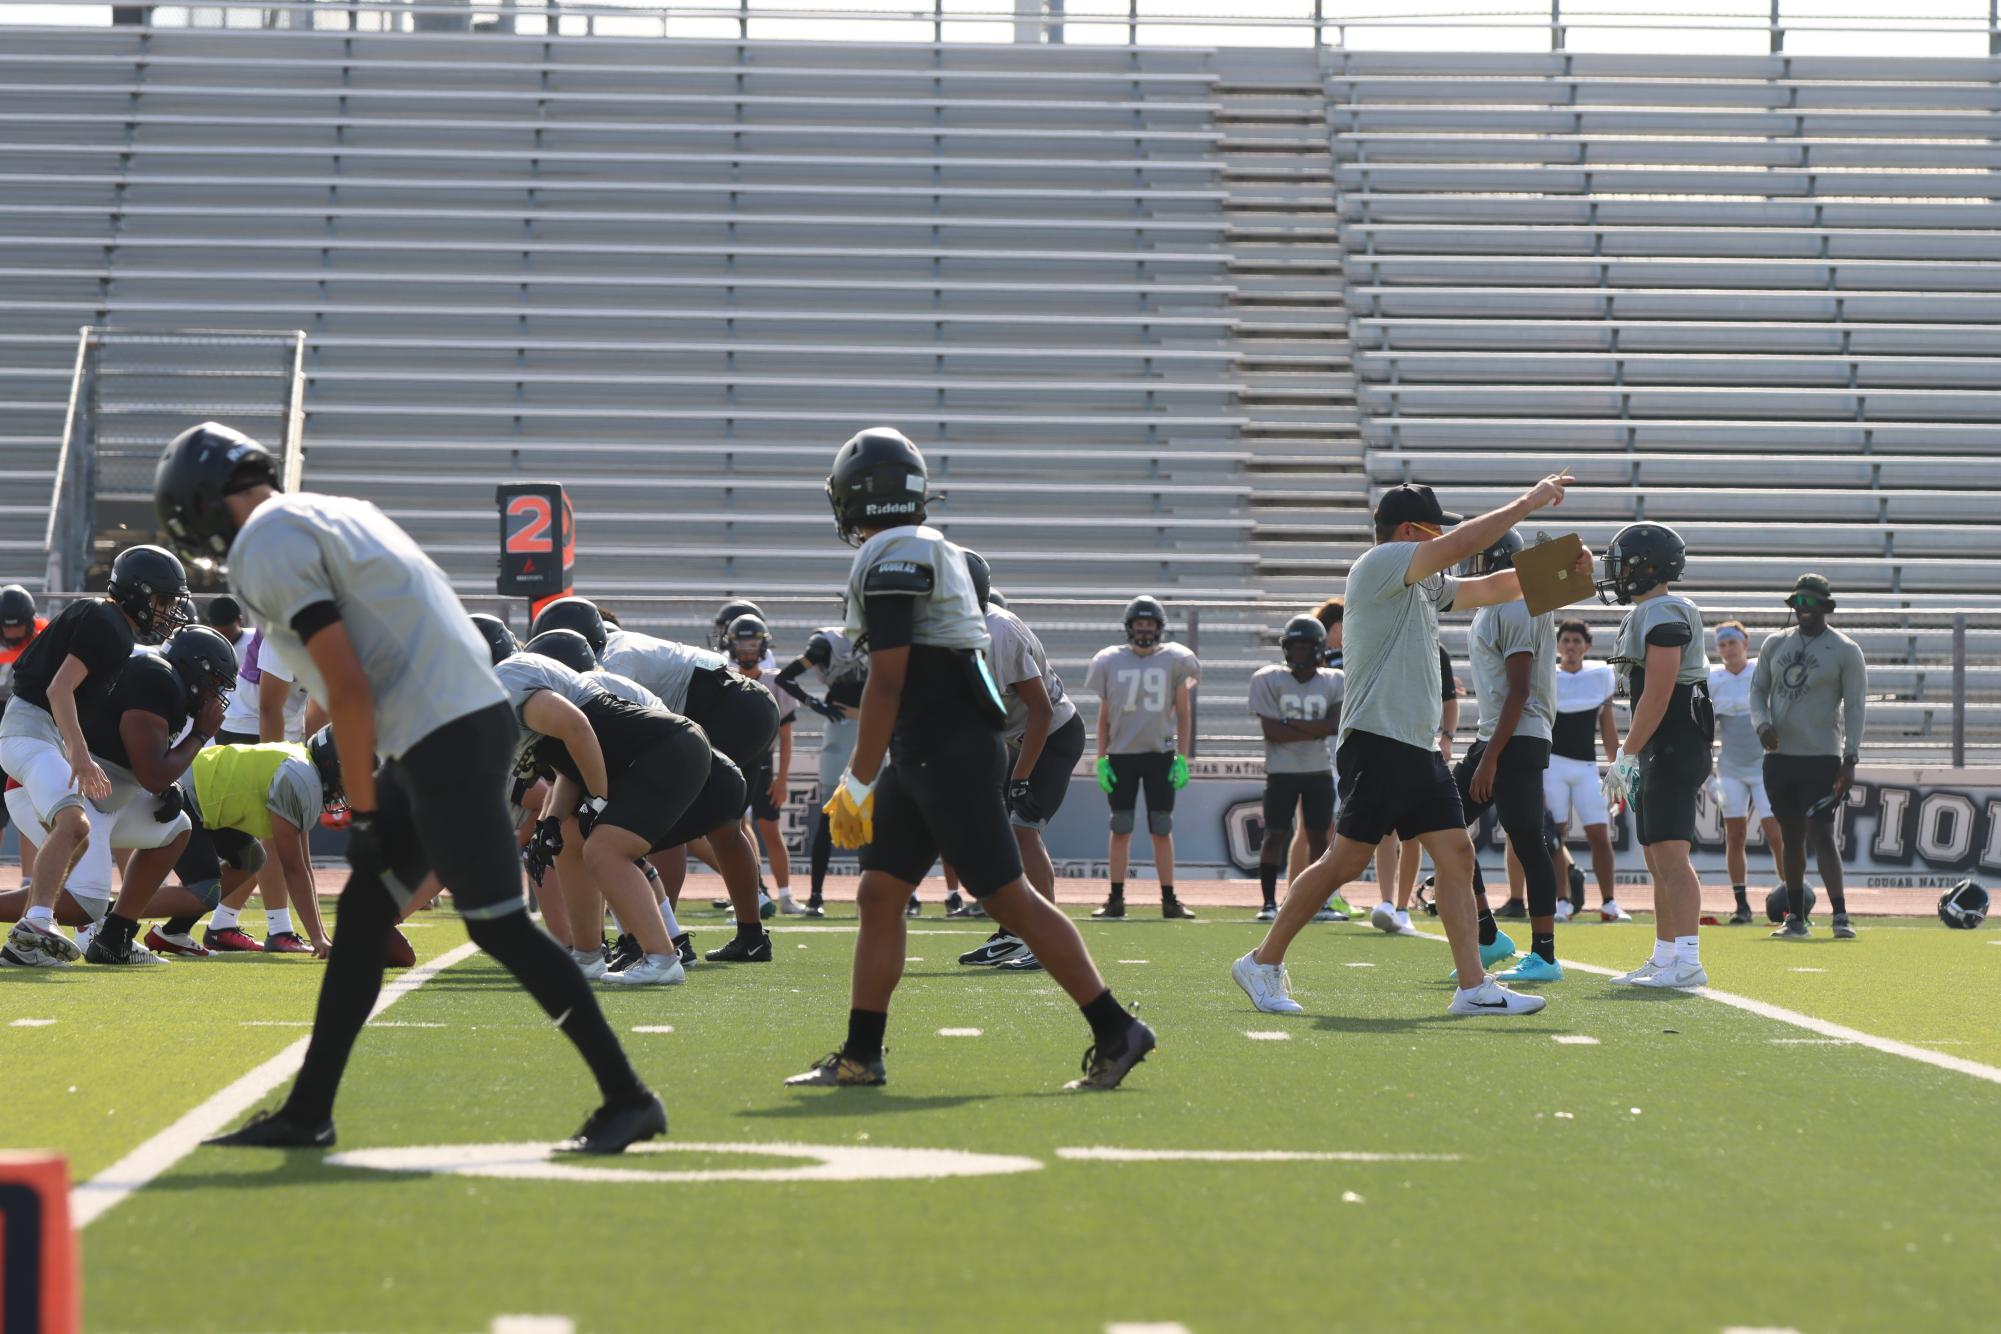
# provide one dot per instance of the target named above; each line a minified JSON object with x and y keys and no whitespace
{"x":851,"y":812}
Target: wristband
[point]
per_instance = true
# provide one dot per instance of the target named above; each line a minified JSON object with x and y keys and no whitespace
{"x":858,"y":791}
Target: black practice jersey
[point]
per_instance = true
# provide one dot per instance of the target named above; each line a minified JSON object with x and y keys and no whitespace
{"x":92,"y":630}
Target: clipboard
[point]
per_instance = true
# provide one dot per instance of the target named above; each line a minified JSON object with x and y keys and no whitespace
{"x":1547,"y":579}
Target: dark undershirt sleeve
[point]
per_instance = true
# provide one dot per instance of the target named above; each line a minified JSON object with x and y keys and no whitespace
{"x":313,"y":619}
{"x":889,"y":618}
{"x":1670,"y":634}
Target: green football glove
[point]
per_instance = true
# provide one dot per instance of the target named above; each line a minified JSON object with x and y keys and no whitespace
{"x":1105,"y":780}
{"x":1178,"y":774}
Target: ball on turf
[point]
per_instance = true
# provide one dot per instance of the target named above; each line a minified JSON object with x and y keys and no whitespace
{"x":1964,"y":906}
{"x":1775,"y":904}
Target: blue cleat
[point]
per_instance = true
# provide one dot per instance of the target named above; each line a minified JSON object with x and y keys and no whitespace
{"x":1502,"y":948}
{"x":1532,"y":968}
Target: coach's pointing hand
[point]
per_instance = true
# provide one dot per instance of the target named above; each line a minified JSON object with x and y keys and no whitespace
{"x":1549,"y":491}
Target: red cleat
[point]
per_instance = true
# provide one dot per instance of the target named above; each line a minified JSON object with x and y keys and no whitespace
{"x":286,"y":942}
{"x":229,"y":940}
{"x":160,"y":942}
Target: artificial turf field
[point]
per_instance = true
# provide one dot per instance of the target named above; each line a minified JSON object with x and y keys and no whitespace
{"x":1698,"y":1166}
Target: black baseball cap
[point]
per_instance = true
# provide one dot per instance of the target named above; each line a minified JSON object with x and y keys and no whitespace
{"x":1413,"y":504}
{"x":224,"y":610}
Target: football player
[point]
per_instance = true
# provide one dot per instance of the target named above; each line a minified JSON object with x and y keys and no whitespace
{"x":1661,"y":768}
{"x":931,"y":709}
{"x":1392,"y":775}
{"x":1299,"y":855}
{"x":1570,"y":788}
{"x":373,"y":629}
{"x":1807,"y":699}
{"x":751,"y":657}
{"x":1045,"y":739}
{"x":18,"y":627}
{"x":1145,"y":731}
{"x":842,"y":671}
{"x":726,"y":617}
{"x":1298,"y":706}
{"x":67,"y":671}
{"x":1739,"y":785}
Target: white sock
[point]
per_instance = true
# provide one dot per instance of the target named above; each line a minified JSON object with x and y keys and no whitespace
{"x":1663,"y":953}
{"x":224,"y":917}
{"x":586,"y":956}
{"x":278,"y":921}
{"x":42,"y":917}
{"x":1686,"y":951}
{"x":667,"y":917}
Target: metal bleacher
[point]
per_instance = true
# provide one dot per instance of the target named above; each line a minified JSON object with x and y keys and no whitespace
{"x":1754,"y":297}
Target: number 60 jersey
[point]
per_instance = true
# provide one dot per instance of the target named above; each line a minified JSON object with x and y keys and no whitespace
{"x":1138,"y":692}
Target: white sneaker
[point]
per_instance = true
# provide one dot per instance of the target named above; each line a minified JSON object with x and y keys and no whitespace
{"x":1564,"y":910}
{"x":1268,"y":913}
{"x":655,"y":970}
{"x":1490,"y":997}
{"x":1383,"y":917}
{"x":1638,"y":976}
{"x":1610,"y":911}
{"x":592,"y":966}
{"x":1266,"y":984}
{"x":789,"y":908}
{"x":30,"y":945}
{"x":1404,"y":928}
{"x":1677,"y":976}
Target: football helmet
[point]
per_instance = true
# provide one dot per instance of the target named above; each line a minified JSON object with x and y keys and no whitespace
{"x":325,"y":756}
{"x":1500,"y":556}
{"x":149,"y":585}
{"x":1964,"y":906}
{"x":995,"y":598}
{"x":500,"y":641}
{"x":1145,"y":608}
{"x":571,"y":613}
{"x":1302,"y":642}
{"x":982,"y":574}
{"x":197,"y":470}
{"x":17,"y":616}
{"x":564,"y":646}
{"x":1777,"y":905}
{"x":726,"y":616}
{"x":1641,"y":556}
{"x":878,"y":481}
{"x":204,"y":660}
{"x":749,"y":640}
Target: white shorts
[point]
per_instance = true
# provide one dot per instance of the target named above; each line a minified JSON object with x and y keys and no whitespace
{"x":1571,"y":792}
{"x":1745,"y":794}
{"x":32,"y":753}
{"x":130,"y":826}
{"x":837,"y":745}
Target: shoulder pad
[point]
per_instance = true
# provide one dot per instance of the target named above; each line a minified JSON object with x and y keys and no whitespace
{"x":897,"y":576}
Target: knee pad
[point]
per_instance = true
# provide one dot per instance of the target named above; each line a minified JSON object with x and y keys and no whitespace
{"x":1159,"y":822}
{"x":250,"y":858}
{"x":208,"y":891}
{"x":1122,"y":822}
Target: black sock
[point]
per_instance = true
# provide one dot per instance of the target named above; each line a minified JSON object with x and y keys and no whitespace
{"x":1118,"y":889}
{"x":1743,"y":900}
{"x":1489,"y":932}
{"x":180,"y":926}
{"x":1268,"y":882}
{"x":539,"y":965}
{"x":865,"y":1030}
{"x":1543,"y":945}
{"x":822,"y":852}
{"x":1796,"y":900}
{"x":365,"y":914}
{"x":1166,"y":892}
{"x":116,"y":930}
{"x":750,"y":932}
{"x":1109,"y":1022}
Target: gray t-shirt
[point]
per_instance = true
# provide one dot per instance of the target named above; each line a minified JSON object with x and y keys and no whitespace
{"x":623,"y":687}
{"x":918,"y":562}
{"x":1138,"y":693}
{"x":661,"y":665}
{"x":1670,"y":619}
{"x":1812,"y":688}
{"x":1017,"y":656}
{"x":1730,"y":696}
{"x":1277,"y":693}
{"x":1389,"y":644}
{"x":423,"y":659}
{"x":1499,"y":633}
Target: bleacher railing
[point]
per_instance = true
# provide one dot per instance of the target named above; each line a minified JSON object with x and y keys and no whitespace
{"x":1971,"y":26}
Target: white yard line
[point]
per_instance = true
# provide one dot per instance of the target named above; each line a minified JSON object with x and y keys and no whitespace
{"x":1100,"y":1154}
{"x":137,"y":1169}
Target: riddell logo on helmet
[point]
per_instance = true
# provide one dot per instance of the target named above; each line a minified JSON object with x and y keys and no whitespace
{"x":887,"y":507}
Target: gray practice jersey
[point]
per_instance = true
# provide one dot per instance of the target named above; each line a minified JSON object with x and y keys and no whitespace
{"x":845,"y":665}
{"x":1742,"y":756}
{"x":1670,"y":620}
{"x":623,"y":687}
{"x":1277,"y":693}
{"x":423,"y":659}
{"x":523,"y":674}
{"x":295,"y":794}
{"x":918,"y":562}
{"x":1499,"y":633}
{"x":1389,"y":644}
{"x":661,"y":665}
{"x":1138,"y":693}
{"x":1812,"y":689}
{"x":1017,"y":656}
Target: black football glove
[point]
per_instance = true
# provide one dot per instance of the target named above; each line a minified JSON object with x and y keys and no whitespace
{"x":588,"y":813}
{"x":172,"y":802}
{"x":543,"y":845}
{"x":827,"y":709}
{"x":365,"y":853}
{"x":1022,"y":803}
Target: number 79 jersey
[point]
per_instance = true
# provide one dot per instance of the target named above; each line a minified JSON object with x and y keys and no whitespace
{"x":1137,"y":692}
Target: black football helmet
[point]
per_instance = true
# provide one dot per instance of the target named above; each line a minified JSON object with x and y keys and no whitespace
{"x":1143,"y":608}
{"x":204,"y":464}
{"x":750,"y":640}
{"x":983,"y":576}
{"x":17,"y":616}
{"x":1500,"y":556}
{"x":1303,"y":641}
{"x":204,"y":660}
{"x":1641,"y":556}
{"x":564,"y":646}
{"x":500,"y":641}
{"x":878,"y":481}
{"x":726,"y":616}
{"x":149,"y":585}
{"x":325,"y":756}
{"x":996,"y":598}
{"x":1964,"y":906}
{"x":571,"y":613}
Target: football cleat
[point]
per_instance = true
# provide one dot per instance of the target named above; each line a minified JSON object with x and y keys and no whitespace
{"x":161,"y":942}
{"x":1794,"y":929}
{"x":1114,"y":907}
{"x":767,"y":907}
{"x":1742,"y":917}
{"x":790,"y":907}
{"x":1637,"y":976}
{"x":1576,"y":879}
{"x":1342,"y":906}
{"x":286,"y":942}
{"x":685,"y":945}
{"x":1502,"y":948}
{"x":625,"y":952}
{"x":955,"y":904}
{"x":275,"y":1130}
{"x":1677,"y":976}
{"x":590,"y":963}
{"x":738,"y":950}
{"x":32,"y":946}
{"x":1564,"y":910}
{"x":1843,"y":928}
{"x":1268,"y":913}
{"x":610,"y":1129}
{"x":1174,"y":911}
{"x":1490,"y":997}
{"x":230,"y":940}
{"x":1024,"y":962}
{"x":1610,"y":911}
{"x":665,"y":971}
{"x":814,"y":908}
{"x":837,"y":1070}
{"x":997,"y":948}
{"x":1329,"y":913}
{"x":1513,"y":909}
{"x":1267,"y":984}
{"x":1383,"y":917}
{"x":129,"y":954}
{"x":914,"y":908}
{"x":1532,"y":968}
{"x":1104,"y":1071}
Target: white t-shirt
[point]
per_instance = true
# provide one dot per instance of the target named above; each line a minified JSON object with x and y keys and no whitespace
{"x":254,"y":659}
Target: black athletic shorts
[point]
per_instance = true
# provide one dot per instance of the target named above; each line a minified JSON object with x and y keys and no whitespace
{"x":649,"y":795}
{"x":228,"y":738}
{"x":208,"y":851}
{"x":1152,"y":770}
{"x":946,"y":803}
{"x":442,"y":807}
{"x":1524,"y":760}
{"x":739,"y":715}
{"x":1793,"y":783}
{"x":759,"y":795}
{"x":1049,"y":780}
{"x":1673,"y":771}
{"x":720,"y":802}
{"x":1390,"y":787}
{"x":1286,"y":792}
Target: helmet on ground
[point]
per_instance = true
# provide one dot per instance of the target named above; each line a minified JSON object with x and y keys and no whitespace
{"x":1964,"y":906}
{"x":1775,"y":903}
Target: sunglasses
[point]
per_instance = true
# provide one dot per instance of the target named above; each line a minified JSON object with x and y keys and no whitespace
{"x":1806,"y":602}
